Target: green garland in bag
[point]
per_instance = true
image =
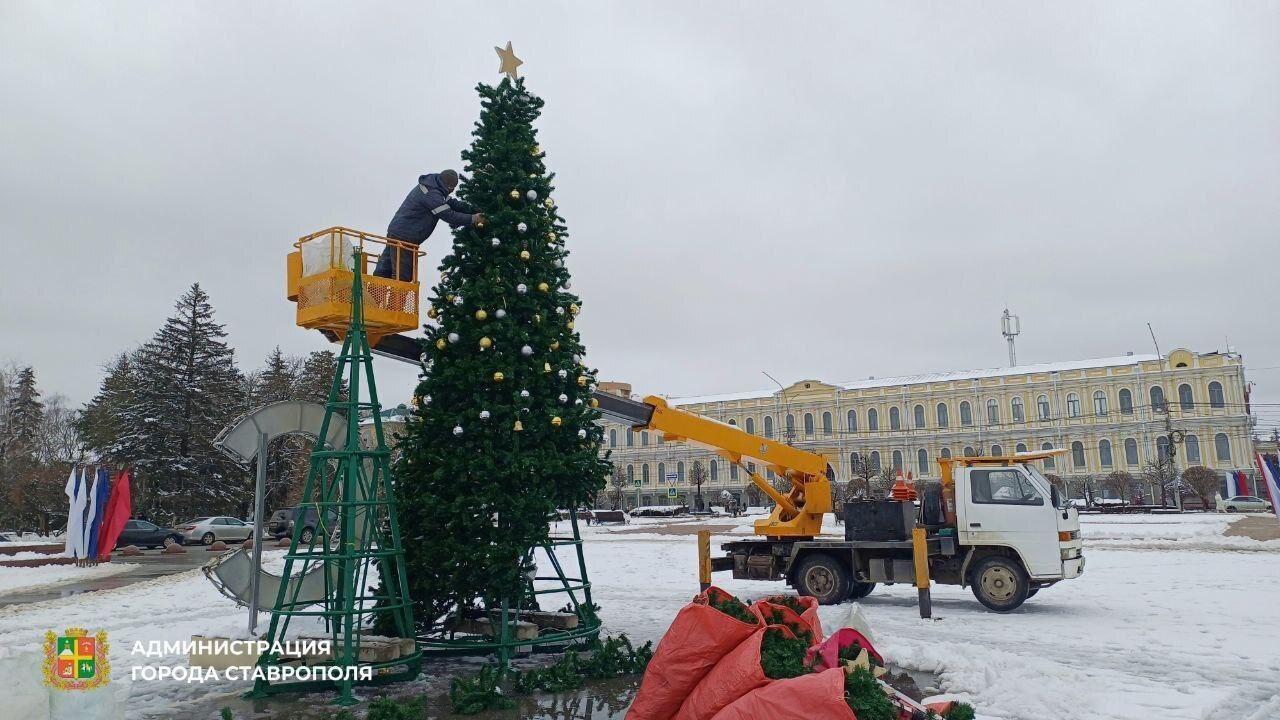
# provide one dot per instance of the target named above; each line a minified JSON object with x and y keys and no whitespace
{"x":866,"y":697}
{"x":781,"y":656}
{"x":734,"y":608}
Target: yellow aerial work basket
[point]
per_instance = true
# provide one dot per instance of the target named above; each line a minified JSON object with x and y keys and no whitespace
{"x":319,"y":281}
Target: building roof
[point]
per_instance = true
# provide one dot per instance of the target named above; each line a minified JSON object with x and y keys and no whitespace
{"x":938,"y":377}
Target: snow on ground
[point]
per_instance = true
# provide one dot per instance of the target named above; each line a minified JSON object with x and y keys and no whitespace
{"x":1184,"y":632}
{"x":22,"y":579}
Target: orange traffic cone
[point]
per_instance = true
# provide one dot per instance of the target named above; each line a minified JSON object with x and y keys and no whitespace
{"x":901,"y":490}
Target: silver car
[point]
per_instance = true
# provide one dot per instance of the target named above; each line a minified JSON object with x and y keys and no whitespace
{"x":208,"y":530}
{"x":1243,"y":503}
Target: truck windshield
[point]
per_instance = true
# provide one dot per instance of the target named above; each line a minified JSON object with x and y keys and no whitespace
{"x":1063,"y":502}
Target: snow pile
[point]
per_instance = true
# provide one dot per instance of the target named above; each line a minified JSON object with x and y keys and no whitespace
{"x":24,"y":579}
{"x":1190,"y":531}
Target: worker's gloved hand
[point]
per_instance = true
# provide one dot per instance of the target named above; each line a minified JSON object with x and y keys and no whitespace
{"x":477,"y":220}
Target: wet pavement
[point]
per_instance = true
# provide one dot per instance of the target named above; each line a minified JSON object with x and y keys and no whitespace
{"x":151,"y":565}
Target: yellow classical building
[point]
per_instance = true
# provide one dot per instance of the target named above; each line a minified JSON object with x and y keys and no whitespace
{"x":1111,"y":414}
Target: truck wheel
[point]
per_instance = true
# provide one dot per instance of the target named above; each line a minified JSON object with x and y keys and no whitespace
{"x":860,"y":589}
{"x":823,"y":577}
{"x":999,"y":583}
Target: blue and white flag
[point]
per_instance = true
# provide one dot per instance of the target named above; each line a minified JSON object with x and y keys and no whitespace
{"x":97,"y":506}
{"x":76,"y":495}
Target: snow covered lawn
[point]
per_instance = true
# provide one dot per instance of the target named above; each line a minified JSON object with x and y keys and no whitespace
{"x":22,"y":579}
{"x":1186,"y":631}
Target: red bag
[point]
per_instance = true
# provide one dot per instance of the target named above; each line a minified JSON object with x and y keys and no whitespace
{"x":737,"y":674}
{"x":829,"y":650}
{"x":819,"y":696}
{"x":697,"y":639}
{"x":809,"y":615}
{"x":774,"y":614}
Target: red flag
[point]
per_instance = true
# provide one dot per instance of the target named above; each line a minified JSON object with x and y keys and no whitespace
{"x":119,"y":509}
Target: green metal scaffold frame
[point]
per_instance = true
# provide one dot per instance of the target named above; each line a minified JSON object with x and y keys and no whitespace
{"x":352,"y":497}
{"x":504,"y":645}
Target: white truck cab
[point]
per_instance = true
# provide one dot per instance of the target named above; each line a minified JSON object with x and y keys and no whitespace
{"x":1016,"y":531}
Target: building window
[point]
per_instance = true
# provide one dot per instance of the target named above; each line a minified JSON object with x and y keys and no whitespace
{"x":808,"y":423}
{"x":1042,"y":407}
{"x":996,"y":451}
{"x":897,"y":460}
{"x":715,"y":471}
{"x":1073,"y":405}
{"x":644,"y":474}
{"x":1126,"y":402}
{"x":945,"y":452}
{"x":922,"y":461}
{"x":733,"y":422}
{"x":875,"y":460}
{"x":1048,"y":462}
{"x":1193,"y":449}
{"x":663,"y":438}
{"x":768,"y":426}
{"x":1185,"y":400}
{"x":1222,"y":448}
{"x":790,"y":425}
{"x":854,"y":459}
{"x":631,"y":474}
{"x":631,"y":439}
{"x":852,"y":420}
{"x":1099,"y":403}
{"x":644,"y":439}
{"x":826,"y":423}
{"x":895,"y":418}
{"x":1157,"y":399}
{"x":944,"y":419}
{"x":1162,"y":447}
{"x":1077,"y":454}
{"x":1216,"y":399}
{"x":750,"y":425}
{"x":1016,"y":410}
{"x":733,"y":471}
{"x":1021,"y":448}
{"x":966,"y":414}
{"x":680,"y":471}
{"x":918,"y":412}
{"x":662,"y":473}
{"x":873,"y":420}
{"x":993,"y":412}
{"x":969,"y":451}
{"x":1130,"y":452}
{"x":613,"y":438}
{"x":1104,"y":453}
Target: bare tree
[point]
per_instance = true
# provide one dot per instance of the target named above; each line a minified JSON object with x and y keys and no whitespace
{"x":697,"y":477}
{"x":1203,"y":482}
{"x":1161,"y":473}
{"x":1059,"y":483}
{"x":883,"y":481}
{"x":861,"y":478}
{"x":617,"y":488}
{"x":1083,"y":485}
{"x":1121,"y":482}
{"x":753,"y":495}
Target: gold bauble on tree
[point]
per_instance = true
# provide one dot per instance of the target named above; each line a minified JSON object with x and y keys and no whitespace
{"x":537,"y":317}
{"x":482,"y":315}
{"x":556,"y":421}
{"x":569,"y":325}
{"x":582,"y":381}
{"x":549,"y":203}
{"x":536,"y":151}
{"x":486,"y":343}
{"x":546,"y":367}
{"x":519,"y":426}
{"x":555,"y":344}
{"x":595,"y":403}
{"x":524,"y":254}
{"x":515,"y":194}
{"x":573,"y":309}
{"x":543,"y":287}
{"x":441,"y":344}
{"x":433,"y":313}
{"x":551,"y":236}
{"x":499,"y":377}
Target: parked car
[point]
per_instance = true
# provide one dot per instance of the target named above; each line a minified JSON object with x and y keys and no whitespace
{"x":207,"y":530}
{"x":145,"y":533}
{"x":1243,"y":503}
{"x":282,"y":521}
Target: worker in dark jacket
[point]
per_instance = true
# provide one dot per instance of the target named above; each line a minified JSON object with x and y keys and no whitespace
{"x":416,"y":219}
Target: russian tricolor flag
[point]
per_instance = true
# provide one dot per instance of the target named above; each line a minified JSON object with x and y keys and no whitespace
{"x":1269,"y":473}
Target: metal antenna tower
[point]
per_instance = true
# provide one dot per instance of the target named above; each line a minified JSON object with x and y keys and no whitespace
{"x":1010,"y":326}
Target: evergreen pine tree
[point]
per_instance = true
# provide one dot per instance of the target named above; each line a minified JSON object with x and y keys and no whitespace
{"x":187,"y":390}
{"x":23,"y":421}
{"x":99,"y":424}
{"x":504,"y":430}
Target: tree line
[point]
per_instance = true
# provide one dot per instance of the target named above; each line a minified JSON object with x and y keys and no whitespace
{"x":157,"y":412}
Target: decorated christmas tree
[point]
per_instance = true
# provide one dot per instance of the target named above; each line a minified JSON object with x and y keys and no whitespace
{"x":504,"y":432}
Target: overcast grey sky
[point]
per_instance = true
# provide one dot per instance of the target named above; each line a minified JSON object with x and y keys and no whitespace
{"x":819,"y":190}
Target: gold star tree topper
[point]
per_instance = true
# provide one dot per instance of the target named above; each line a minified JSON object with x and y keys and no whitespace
{"x":509,"y":60}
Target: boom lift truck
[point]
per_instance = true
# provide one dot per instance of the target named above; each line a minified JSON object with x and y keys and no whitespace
{"x":996,"y":524}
